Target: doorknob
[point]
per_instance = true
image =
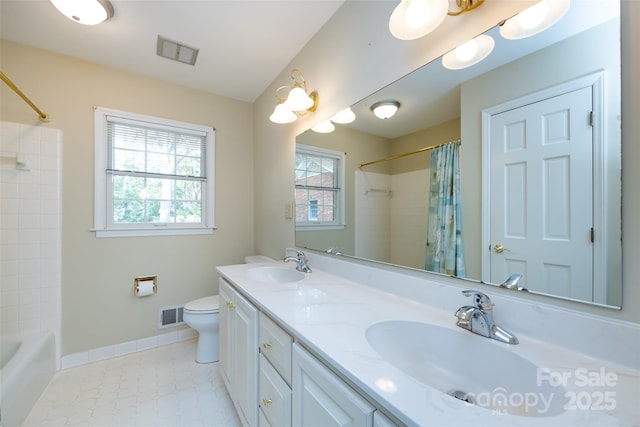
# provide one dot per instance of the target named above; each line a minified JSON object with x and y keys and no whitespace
{"x":498,"y":249}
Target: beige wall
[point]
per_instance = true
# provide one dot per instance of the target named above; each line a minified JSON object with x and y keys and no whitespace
{"x":345,"y":62}
{"x":98,"y":306}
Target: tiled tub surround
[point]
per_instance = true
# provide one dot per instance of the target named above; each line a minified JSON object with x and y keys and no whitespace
{"x":330,"y":313}
{"x":30,"y":229}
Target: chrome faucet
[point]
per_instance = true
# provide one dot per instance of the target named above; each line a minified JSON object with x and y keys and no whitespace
{"x":512,"y":283}
{"x":301,"y":261}
{"x":478,"y":318}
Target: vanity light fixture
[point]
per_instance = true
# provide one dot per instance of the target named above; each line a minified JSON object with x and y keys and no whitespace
{"x":298,"y":101}
{"x":385,"y":109}
{"x":87,"y":12}
{"x":469,"y":53}
{"x":412,"y":19}
{"x":534,"y":19}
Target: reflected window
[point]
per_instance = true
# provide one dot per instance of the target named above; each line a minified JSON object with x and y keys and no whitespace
{"x":319,"y":188}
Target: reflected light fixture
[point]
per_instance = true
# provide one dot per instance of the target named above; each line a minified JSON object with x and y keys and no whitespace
{"x":412,"y":19}
{"x":469,"y":53}
{"x":298,"y":101}
{"x":342,"y":117}
{"x":324,"y":127}
{"x":534,"y":19}
{"x":385,"y":109}
{"x":87,"y":12}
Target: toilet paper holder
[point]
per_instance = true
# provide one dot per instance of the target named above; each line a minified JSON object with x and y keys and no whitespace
{"x":141,"y":285}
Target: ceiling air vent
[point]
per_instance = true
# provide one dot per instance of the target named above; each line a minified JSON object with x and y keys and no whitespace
{"x":176,"y":51}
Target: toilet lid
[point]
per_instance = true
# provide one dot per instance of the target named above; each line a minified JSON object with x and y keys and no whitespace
{"x":203,"y":305}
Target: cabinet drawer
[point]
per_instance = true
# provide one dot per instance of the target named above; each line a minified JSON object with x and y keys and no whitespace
{"x":275,"y":396}
{"x":276,"y":344}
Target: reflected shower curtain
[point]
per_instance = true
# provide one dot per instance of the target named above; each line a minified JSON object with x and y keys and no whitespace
{"x":444,"y":224}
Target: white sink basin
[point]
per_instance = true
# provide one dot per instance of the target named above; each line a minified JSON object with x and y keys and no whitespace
{"x":472,"y":366}
{"x":275,"y":275}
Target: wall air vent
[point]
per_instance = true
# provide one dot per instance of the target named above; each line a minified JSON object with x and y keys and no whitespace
{"x":171,"y":316}
{"x":176,"y":51}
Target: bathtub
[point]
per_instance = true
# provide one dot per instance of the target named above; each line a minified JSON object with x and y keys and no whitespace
{"x":27,"y":365}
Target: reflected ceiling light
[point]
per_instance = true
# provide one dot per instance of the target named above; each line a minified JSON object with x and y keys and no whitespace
{"x":87,"y":12}
{"x":534,"y":19}
{"x":469,"y":53}
{"x":324,"y":127}
{"x":297,"y":102}
{"x":344,"y":117}
{"x":385,"y":109}
{"x":412,"y":19}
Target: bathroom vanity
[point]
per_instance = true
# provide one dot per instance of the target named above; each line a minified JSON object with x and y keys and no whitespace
{"x":324,"y":349}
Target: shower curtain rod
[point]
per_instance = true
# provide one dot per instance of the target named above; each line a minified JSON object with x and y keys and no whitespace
{"x":41,"y":115}
{"x":420,"y":150}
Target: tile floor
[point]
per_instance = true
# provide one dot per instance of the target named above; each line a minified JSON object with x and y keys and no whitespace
{"x":158,"y":387}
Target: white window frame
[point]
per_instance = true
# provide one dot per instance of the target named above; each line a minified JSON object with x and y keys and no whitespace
{"x":103,"y":196}
{"x":339,"y":222}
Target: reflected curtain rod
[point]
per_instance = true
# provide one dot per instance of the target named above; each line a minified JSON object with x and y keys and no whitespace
{"x":41,"y":115}
{"x":397,"y":156}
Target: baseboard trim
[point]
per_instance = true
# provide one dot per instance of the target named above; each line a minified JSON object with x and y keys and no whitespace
{"x":116,"y":350}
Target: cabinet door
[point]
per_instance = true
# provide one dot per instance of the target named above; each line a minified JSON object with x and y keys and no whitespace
{"x":245,"y":360}
{"x":225,"y":331}
{"x":321,"y":399}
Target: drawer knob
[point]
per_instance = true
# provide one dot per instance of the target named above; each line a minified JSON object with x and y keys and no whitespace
{"x":266,"y":345}
{"x":266,"y":402}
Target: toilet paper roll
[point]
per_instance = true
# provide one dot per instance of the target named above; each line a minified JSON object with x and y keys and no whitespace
{"x":145,"y":288}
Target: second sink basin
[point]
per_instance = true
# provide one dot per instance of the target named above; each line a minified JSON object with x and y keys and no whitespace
{"x":275,"y":275}
{"x":466,"y":366}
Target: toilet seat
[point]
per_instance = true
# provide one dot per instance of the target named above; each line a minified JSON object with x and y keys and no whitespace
{"x":204,"y":305}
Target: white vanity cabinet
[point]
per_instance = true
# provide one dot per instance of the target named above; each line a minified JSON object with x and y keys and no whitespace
{"x":239,"y":352}
{"x":321,"y":399}
{"x":275,"y":382}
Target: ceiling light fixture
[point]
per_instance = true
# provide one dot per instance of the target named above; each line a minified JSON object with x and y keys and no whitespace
{"x":469,"y":53}
{"x":534,"y":19}
{"x":298,"y":101}
{"x":385,"y":109}
{"x":87,"y":12}
{"x":412,"y":19}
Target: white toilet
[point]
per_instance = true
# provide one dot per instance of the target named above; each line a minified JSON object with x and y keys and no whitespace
{"x":202,"y":315}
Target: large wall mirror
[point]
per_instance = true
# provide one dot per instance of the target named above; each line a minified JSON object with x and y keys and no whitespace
{"x":551,"y":216}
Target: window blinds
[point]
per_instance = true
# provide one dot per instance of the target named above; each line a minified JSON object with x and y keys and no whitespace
{"x":152,"y":150}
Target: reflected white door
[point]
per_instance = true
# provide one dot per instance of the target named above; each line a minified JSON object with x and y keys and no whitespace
{"x":541,"y":193}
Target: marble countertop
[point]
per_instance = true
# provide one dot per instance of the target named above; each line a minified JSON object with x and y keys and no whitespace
{"x":330,"y":316}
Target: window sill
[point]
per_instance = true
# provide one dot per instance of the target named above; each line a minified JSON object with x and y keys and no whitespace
{"x":150,"y":232}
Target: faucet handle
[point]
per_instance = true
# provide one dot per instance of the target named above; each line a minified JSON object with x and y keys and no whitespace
{"x":482,"y":301}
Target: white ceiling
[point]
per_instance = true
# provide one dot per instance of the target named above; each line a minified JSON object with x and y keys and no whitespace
{"x":244,"y":45}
